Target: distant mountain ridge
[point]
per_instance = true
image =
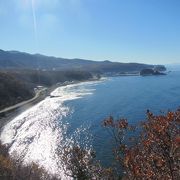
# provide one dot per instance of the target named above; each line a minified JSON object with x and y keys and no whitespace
{"x":21,"y":60}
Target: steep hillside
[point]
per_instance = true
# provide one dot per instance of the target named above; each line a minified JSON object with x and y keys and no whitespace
{"x":48,"y":78}
{"x":12,"y":90}
{"x":17,"y":86}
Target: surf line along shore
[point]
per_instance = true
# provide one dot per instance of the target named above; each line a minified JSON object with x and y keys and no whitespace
{"x":9,"y":113}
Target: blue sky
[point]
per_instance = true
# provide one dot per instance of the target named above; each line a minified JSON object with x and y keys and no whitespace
{"x":145,"y":31}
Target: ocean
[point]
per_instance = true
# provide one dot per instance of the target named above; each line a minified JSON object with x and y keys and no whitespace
{"x":75,"y":113}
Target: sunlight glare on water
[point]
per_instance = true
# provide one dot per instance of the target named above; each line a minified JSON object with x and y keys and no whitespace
{"x":36,"y":134}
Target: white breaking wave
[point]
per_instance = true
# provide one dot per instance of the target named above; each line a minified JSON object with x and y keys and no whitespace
{"x":74,"y":91}
{"x":36,"y":134}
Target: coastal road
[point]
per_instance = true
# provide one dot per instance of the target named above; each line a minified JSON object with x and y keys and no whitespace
{"x":9,"y":113}
{"x":39,"y":95}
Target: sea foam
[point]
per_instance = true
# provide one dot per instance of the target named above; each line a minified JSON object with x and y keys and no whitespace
{"x":38,"y":133}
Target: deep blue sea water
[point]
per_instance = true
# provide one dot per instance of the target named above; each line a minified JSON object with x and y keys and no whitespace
{"x":76,"y":112}
{"x":127,"y":97}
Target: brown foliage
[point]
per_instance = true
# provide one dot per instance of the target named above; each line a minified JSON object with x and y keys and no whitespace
{"x":156,"y":155}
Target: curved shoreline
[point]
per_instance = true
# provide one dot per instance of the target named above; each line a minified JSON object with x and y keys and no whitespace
{"x":10,"y":113}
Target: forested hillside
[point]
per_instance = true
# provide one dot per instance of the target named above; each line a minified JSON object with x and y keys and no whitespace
{"x":19,"y":60}
{"x":12,"y":90}
{"x":17,"y":86}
